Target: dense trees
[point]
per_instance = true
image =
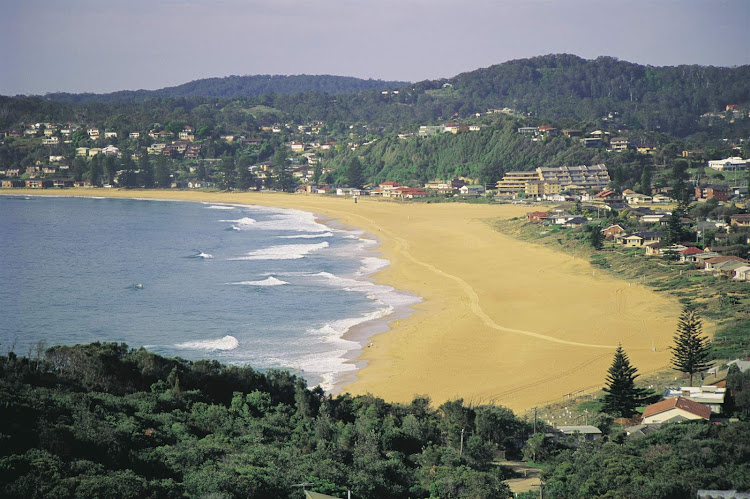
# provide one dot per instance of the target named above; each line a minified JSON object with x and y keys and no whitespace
{"x":674,"y":462}
{"x":691,"y":349}
{"x":105,"y":420}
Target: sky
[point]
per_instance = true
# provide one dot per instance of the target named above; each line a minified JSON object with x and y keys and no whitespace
{"x":108,"y":45}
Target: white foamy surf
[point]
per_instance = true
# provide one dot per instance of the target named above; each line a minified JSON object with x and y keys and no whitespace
{"x":283,"y":252}
{"x":307,"y":236}
{"x":271,"y":281}
{"x":220,"y":207}
{"x":226,"y":343}
{"x":205,"y":256}
{"x":244,"y":221}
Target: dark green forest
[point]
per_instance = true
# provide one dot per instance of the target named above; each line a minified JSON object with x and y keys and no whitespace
{"x":239,"y":86}
{"x":103,"y":420}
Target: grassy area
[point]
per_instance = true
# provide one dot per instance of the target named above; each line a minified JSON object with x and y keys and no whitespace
{"x":723,"y":301}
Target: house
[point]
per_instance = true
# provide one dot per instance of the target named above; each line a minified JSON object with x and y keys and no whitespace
{"x":471,"y":190}
{"x":742,"y":365}
{"x":576,"y":222}
{"x":537,"y":216}
{"x":619,"y":144}
{"x":586,"y":432}
{"x":110,"y":135}
{"x":640,"y":239}
{"x":38,"y":183}
{"x":674,"y":410}
{"x":712,"y":191}
{"x":688,"y":255}
{"x":93,"y":132}
{"x":549,"y":131}
{"x":571,"y":133}
{"x":709,"y":395}
{"x":592,"y":142}
{"x":528,"y":130}
{"x":134,"y":135}
{"x":408,"y":193}
{"x":659,"y":198}
{"x":742,"y":273}
{"x":429,"y":131}
{"x":111,"y":151}
{"x":734,"y":164}
{"x":641,"y":430}
{"x":454,"y":128}
{"x":10,"y":184}
{"x":636,"y":198}
{"x":712,"y":264}
{"x":654,"y":249}
{"x":297,"y":146}
{"x":613,"y":231}
{"x":82,"y":151}
{"x":741,"y":220}
{"x":51,"y":141}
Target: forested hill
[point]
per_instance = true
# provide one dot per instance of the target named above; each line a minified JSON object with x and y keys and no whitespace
{"x":668,"y":98}
{"x":240,"y":86}
{"x":602,"y":93}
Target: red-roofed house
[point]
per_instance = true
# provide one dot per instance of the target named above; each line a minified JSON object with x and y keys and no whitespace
{"x":537,"y":216}
{"x":688,"y":254}
{"x":674,"y":410}
{"x":613,"y":231}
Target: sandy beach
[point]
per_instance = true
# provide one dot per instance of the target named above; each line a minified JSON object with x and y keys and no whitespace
{"x":502,"y":321}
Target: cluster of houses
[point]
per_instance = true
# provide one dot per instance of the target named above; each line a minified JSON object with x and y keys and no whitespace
{"x":711,"y":259}
{"x":593,"y":140}
{"x":682,"y":403}
{"x":396,"y":190}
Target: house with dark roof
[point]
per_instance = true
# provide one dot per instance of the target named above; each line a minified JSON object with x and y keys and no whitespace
{"x":675,"y":410}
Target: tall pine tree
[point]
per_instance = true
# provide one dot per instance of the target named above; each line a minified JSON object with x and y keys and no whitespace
{"x":622,"y":396}
{"x":691,"y":348}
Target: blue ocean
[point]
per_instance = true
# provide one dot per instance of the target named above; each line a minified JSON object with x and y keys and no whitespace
{"x":268,"y":287}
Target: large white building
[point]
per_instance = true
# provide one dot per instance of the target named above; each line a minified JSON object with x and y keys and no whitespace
{"x":729,"y":164}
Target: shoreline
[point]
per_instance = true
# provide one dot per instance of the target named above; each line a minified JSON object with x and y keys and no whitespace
{"x":502,"y":321}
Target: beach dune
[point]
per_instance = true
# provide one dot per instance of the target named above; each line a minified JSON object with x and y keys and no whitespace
{"x":502,"y":321}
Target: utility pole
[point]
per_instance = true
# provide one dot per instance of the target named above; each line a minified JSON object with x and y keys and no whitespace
{"x":535,"y":420}
{"x":461,"y":452}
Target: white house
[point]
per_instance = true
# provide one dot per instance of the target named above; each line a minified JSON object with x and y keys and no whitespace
{"x":729,"y":164}
{"x":712,"y":396}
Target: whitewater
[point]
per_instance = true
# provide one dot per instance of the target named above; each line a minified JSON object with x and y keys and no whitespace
{"x":245,"y":285}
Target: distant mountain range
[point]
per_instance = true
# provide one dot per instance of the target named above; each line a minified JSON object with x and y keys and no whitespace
{"x":239,"y":86}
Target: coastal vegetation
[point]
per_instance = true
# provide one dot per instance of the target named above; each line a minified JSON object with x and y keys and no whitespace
{"x":109,"y":421}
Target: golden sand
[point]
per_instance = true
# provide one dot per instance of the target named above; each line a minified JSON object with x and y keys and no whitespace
{"x":502,"y":321}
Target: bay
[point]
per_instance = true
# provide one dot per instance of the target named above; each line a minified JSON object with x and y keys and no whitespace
{"x":272,"y":288}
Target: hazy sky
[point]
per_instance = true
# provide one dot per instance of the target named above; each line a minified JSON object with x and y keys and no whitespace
{"x":108,"y":45}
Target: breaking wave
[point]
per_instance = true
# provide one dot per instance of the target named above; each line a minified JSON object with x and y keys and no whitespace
{"x":283,"y":252}
{"x":271,"y":281}
{"x":226,"y":343}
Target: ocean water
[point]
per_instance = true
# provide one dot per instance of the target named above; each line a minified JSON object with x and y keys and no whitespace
{"x":267,"y":287}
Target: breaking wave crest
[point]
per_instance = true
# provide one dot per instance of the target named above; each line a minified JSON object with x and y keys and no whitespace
{"x":226,"y":343}
{"x":284,"y":252}
{"x":308,"y":236}
{"x":271,"y":281}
